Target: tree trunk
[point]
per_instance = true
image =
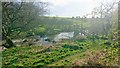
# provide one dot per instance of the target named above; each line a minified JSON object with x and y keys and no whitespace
{"x":8,"y":43}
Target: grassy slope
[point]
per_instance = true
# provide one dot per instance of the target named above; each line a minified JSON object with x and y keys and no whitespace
{"x":93,"y":48}
{"x":51,"y":56}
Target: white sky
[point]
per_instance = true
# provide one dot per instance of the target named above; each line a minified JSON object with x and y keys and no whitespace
{"x":72,"y":7}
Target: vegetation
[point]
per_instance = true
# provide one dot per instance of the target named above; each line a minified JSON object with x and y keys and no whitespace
{"x":28,"y":37}
{"x":40,"y":56}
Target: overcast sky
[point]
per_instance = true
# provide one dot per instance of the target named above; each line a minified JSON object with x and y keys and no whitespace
{"x":73,"y":7}
{"x":69,"y":8}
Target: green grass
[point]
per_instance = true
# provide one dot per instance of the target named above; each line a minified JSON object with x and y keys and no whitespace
{"x":36,"y":55}
{"x":61,"y":55}
{"x":87,"y":47}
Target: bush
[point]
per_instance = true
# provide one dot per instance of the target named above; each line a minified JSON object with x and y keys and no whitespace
{"x":107,"y":43}
{"x":70,"y":47}
{"x":104,"y":38}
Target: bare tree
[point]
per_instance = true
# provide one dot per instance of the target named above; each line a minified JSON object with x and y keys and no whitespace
{"x":18,"y":17}
{"x":104,"y":11}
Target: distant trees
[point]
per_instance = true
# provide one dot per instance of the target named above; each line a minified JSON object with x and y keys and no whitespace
{"x":102,"y":17}
{"x":18,"y":17}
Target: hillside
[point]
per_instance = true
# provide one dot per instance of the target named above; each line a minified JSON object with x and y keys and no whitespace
{"x":31,"y":38}
{"x":66,"y":54}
